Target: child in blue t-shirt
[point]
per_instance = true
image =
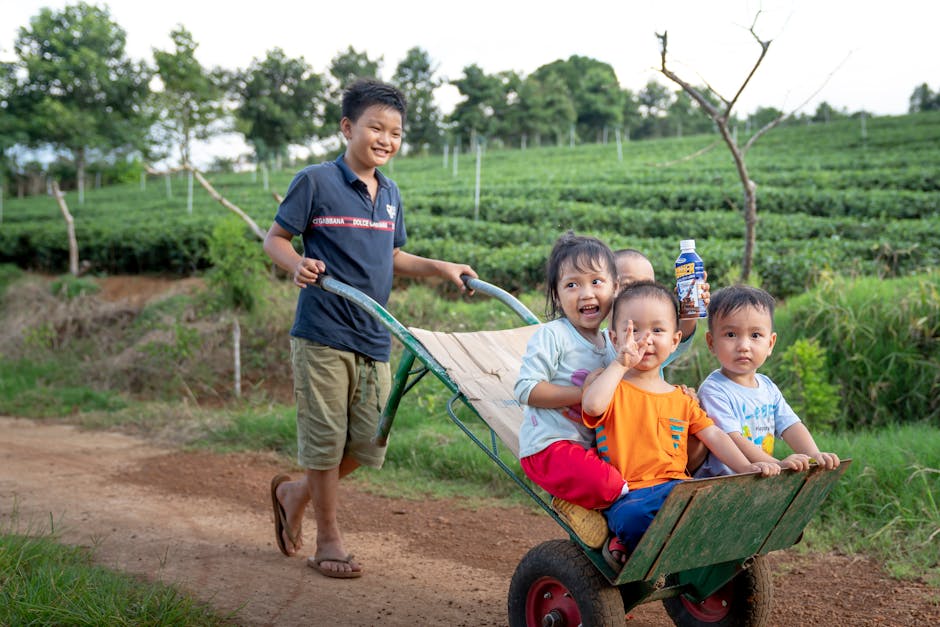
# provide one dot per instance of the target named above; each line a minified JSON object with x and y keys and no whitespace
{"x":744,"y":403}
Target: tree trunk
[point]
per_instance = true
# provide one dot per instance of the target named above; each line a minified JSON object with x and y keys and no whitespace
{"x":70,"y":227}
{"x":750,"y":200}
{"x":227,"y":204}
{"x":80,"y":174}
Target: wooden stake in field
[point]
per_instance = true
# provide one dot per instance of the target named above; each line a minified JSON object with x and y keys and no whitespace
{"x":189,"y":193}
{"x":236,"y":348}
{"x":70,"y":228}
{"x":476,"y":193}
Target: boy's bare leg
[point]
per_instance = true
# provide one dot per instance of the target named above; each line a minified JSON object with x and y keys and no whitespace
{"x":324,"y":492}
{"x":294,"y":496}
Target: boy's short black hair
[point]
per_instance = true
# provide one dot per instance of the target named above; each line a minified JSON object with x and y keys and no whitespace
{"x":365,"y":92}
{"x":628,"y":253}
{"x":582,"y":251}
{"x":729,"y":299}
{"x":644,"y":289}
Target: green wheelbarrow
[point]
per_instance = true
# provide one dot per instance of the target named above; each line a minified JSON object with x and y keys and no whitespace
{"x":703,"y":554}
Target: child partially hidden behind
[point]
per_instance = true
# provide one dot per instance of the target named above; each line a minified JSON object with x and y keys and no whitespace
{"x":647,"y":421}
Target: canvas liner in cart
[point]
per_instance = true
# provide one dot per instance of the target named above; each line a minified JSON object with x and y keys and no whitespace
{"x":702,"y":556}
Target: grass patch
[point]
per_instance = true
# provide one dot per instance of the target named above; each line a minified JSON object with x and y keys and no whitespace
{"x":9,"y":274}
{"x":38,"y":390}
{"x":270,"y":428}
{"x":886,"y":504}
{"x":428,"y":456}
{"x":46,"y":583}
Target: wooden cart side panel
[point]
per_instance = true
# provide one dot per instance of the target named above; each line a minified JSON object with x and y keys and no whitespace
{"x":819,"y":483}
{"x":711,"y":521}
{"x":732,"y":522}
{"x":657,"y":536}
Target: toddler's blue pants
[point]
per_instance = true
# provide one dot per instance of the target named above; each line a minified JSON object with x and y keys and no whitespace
{"x":631,"y":514}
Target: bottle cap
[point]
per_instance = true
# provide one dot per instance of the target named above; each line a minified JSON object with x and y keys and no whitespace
{"x":687,"y":244}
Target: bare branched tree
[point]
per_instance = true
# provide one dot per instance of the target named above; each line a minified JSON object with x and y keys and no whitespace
{"x":721,"y":116}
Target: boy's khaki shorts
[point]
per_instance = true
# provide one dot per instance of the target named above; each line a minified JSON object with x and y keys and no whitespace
{"x":340,"y":396}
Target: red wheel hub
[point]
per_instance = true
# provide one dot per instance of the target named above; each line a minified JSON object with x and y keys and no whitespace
{"x":713,"y":608}
{"x":549,"y":604}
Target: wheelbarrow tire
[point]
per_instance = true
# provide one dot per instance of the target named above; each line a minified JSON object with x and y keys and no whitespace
{"x":745,"y":601}
{"x":557,"y":584}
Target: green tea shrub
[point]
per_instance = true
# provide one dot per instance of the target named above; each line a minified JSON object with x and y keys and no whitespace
{"x":70,"y":287}
{"x":882,"y":341}
{"x":805,"y":384}
{"x":238,"y":273}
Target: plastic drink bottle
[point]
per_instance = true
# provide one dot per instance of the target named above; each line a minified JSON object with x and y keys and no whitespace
{"x":690,"y":274}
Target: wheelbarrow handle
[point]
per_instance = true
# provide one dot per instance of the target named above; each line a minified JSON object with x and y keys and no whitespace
{"x":501,"y":295}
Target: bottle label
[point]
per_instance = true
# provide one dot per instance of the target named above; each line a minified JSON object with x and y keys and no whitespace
{"x":691,"y":304}
{"x":690,"y":274}
{"x":685,"y":270}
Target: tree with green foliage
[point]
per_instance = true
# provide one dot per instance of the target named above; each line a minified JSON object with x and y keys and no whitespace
{"x":684,"y":116}
{"x":345,"y":68}
{"x":503,"y":107}
{"x":12,"y":130}
{"x":599,"y":100}
{"x":593,"y":85}
{"x":414,"y":76}
{"x":763,"y":116}
{"x":924,"y":99}
{"x":190,"y":101}
{"x":653,"y":102}
{"x":280,"y":103}
{"x":826,"y":113}
{"x":474,"y":114}
{"x":79,"y":90}
{"x":544,"y":108}
{"x":631,"y":116}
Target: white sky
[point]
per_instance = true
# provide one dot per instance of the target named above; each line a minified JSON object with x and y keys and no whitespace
{"x":875,"y":52}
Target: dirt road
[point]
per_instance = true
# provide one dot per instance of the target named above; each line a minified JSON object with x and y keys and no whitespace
{"x":203,"y":521}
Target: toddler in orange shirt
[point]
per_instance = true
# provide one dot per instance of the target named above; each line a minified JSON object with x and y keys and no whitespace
{"x":646,"y":422}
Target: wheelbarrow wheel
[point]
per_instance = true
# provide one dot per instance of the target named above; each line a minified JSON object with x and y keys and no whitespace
{"x":556,"y":584}
{"x":745,"y":601}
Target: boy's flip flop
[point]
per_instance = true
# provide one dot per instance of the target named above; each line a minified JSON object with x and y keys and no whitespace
{"x":317,"y":564}
{"x":280,"y":518}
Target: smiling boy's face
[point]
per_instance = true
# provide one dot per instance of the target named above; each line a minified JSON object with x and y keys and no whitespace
{"x":373,"y":138}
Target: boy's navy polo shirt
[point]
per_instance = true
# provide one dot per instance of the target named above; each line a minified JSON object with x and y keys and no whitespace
{"x":330,"y":208}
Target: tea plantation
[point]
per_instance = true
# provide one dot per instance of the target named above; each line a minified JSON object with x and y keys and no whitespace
{"x":840,"y":198}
